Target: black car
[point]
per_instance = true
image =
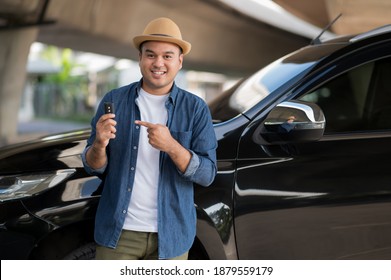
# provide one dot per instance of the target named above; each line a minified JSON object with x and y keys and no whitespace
{"x":304,"y":162}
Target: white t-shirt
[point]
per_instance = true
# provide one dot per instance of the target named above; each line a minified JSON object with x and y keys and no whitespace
{"x":142,"y":210}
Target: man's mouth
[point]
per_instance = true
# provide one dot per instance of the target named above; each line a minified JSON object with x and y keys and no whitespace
{"x":158,"y":72}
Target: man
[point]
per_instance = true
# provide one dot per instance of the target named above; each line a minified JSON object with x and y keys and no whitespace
{"x":149,"y":153}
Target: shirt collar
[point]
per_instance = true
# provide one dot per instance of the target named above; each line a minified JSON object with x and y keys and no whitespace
{"x":173,"y":93}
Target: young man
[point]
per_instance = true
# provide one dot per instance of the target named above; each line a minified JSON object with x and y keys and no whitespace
{"x":149,"y":153}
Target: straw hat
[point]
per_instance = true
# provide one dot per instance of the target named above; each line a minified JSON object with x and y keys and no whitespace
{"x":162,"y":29}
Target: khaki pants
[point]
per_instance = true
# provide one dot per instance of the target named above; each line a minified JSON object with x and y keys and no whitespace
{"x":134,"y":245}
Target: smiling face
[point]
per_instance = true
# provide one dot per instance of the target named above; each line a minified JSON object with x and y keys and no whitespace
{"x":159,"y":63}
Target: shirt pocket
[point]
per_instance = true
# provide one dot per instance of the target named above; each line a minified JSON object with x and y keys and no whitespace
{"x":183,"y":137}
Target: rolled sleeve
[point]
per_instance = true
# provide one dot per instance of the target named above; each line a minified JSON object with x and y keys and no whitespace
{"x":88,"y":168}
{"x":193,"y":165}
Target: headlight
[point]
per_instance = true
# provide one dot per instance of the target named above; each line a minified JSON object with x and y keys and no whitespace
{"x":25,"y":185}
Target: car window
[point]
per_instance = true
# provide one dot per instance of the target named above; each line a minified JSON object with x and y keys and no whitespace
{"x":378,"y":106}
{"x":356,"y":100}
{"x":250,"y":91}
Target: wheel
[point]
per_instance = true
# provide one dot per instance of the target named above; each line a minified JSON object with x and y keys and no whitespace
{"x":85,"y":252}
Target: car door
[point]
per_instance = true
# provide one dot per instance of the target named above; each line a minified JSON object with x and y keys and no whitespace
{"x":329,"y":199}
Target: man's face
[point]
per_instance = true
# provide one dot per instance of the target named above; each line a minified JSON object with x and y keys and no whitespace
{"x":159,"y":63}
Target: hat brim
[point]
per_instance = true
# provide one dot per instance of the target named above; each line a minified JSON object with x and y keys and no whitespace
{"x":185,"y":46}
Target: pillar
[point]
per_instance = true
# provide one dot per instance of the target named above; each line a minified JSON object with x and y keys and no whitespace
{"x":14,"y":49}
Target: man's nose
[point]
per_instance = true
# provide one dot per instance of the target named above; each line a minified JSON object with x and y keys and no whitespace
{"x":159,"y":61}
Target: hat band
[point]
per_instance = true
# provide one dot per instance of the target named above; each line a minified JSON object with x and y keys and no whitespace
{"x":165,"y":35}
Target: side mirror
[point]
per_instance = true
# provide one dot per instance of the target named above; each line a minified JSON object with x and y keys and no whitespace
{"x":293,"y":122}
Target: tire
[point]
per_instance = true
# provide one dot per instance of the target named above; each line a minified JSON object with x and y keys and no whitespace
{"x":85,"y":252}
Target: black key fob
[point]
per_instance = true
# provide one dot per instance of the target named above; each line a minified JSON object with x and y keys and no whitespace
{"x":109,"y":108}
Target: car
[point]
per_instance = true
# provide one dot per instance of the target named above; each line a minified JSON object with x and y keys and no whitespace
{"x":304,"y":159}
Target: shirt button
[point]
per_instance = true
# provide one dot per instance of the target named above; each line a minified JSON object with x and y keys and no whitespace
{"x":132,"y":168}
{"x":128,"y":189}
{"x":124,"y":211}
{"x":134,"y":147}
{"x":137,"y":127}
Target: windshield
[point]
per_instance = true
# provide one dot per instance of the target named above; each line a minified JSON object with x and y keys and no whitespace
{"x":248,"y":92}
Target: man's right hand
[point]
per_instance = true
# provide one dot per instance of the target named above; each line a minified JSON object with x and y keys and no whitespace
{"x":105,"y":130}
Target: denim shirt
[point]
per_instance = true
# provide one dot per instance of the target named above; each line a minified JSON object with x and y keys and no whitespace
{"x":190,"y":123}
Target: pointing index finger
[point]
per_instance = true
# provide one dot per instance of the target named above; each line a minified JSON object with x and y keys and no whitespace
{"x":146,"y":124}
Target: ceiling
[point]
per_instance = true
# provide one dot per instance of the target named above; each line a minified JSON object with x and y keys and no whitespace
{"x":356,"y":15}
{"x":224,"y":39}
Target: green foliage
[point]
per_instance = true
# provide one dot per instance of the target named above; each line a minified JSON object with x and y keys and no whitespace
{"x":61,"y":95}
{"x":63,"y":58}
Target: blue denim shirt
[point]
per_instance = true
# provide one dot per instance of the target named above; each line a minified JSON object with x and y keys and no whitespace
{"x":190,"y":123}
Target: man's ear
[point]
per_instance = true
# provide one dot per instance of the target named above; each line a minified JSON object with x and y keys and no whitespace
{"x":181,"y":60}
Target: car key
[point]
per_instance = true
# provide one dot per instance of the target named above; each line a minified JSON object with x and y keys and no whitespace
{"x":109,"y":108}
